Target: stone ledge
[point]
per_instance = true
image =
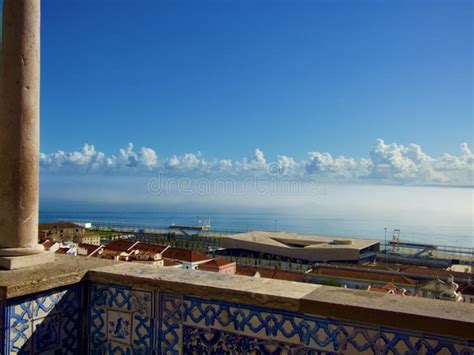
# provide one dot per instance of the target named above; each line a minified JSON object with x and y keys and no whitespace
{"x":64,"y":271}
{"x":231,"y":288}
{"x":414,"y":313}
{"x":411,"y":313}
{"x":18,"y":262}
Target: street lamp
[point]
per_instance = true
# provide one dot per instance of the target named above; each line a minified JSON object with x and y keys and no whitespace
{"x":385,"y":244}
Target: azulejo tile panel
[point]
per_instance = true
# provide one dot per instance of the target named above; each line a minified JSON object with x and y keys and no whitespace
{"x":170,"y":324}
{"x":49,"y":322}
{"x":120,"y":320}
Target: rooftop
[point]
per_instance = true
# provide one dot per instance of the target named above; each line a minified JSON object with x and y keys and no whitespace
{"x":363,"y":275}
{"x":91,"y":248}
{"x":216,"y":263}
{"x":187,"y":255}
{"x":298,"y":246}
{"x":58,"y":225}
{"x":147,"y":247}
{"x":436,"y":272}
{"x":300,"y":241}
{"x":120,"y":245}
{"x":270,"y":273}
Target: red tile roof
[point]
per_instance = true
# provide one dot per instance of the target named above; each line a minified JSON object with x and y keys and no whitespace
{"x":363,"y":275}
{"x":167,"y":262}
{"x":153,"y":248}
{"x":121,"y":245}
{"x":63,"y":250}
{"x":270,"y":273}
{"x":388,"y":288}
{"x":91,"y":248}
{"x":216,"y":263}
{"x":187,"y":255}
{"x":47,"y":244}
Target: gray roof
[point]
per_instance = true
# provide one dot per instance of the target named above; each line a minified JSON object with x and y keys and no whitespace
{"x":300,"y":246}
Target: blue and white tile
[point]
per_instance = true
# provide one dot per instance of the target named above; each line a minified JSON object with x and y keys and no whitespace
{"x":122,"y":317}
{"x":170,"y":324}
{"x":40,"y":323}
{"x":47,"y":333}
{"x":119,"y":298}
{"x":119,"y":326}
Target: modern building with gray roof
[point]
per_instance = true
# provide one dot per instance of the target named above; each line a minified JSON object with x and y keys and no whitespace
{"x":308,"y":248}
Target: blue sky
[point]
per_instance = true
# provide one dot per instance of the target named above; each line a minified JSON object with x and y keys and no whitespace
{"x":226,"y":77}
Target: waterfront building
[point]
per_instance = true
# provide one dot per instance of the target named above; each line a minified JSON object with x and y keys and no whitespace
{"x":295,"y":247}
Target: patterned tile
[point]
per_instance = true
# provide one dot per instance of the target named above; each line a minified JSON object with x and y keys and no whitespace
{"x":120,"y":320}
{"x":119,"y":298}
{"x":47,"y":333}
{"x":19,"y":330}
{"x":48,"y":322}
{"x":119,"y":325}
{"x":170,"y":324}
{"x":118,"y":349}
{"x":352,"y":338}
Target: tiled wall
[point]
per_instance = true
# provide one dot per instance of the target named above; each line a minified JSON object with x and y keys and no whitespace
{"x":45,"y":323}
{"x":122,"y":320}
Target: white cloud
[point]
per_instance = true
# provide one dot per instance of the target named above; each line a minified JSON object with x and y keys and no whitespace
{"x":387,"y":163}
{"x":322,"y":163}
{"x":186,"y":162}
{"x":89,"y":160}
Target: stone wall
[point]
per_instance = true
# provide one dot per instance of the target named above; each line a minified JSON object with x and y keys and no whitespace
{"x":78,"y":306}
{"x":124,"y":320}
{"x":44,"y":323}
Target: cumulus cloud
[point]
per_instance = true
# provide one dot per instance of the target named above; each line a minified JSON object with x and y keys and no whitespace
{"x":386,"y":163}
{"x":321,"y":163}
{"x":186,"y":162}
{"x":89,"y":160}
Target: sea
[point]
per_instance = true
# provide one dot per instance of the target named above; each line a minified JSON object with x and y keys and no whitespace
{"x":369,"y":226}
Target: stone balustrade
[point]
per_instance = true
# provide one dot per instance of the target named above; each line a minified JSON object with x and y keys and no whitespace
{"x":86,"y":305}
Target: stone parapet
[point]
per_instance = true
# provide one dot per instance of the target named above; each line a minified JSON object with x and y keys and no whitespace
{"x":87,"y":305}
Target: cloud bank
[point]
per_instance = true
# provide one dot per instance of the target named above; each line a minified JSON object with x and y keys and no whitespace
{"x":386,"y":163}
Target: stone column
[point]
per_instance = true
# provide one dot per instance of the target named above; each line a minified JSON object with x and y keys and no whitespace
{"x":19,"y":134}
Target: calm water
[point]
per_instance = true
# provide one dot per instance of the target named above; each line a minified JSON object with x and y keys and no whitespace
{"x":371,"y":226}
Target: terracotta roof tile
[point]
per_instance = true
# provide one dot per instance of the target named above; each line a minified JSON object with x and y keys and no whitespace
{"x":363,"y":275}
{"x":270,"y":273}
{"x":120,"y":245}
{"x":91,"y":248}
{"x":190,"y":256}
{"x":47,"y":244}
{"x":216,"y":263}
{"x":154,"y":248}
{"x":167,"y":262}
